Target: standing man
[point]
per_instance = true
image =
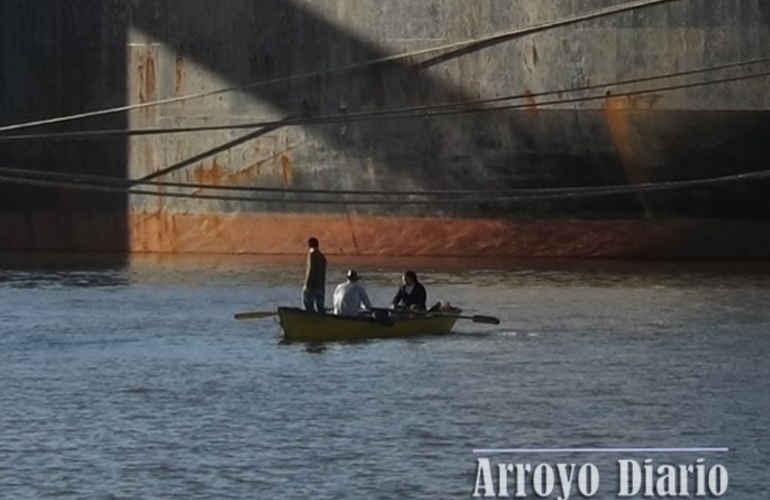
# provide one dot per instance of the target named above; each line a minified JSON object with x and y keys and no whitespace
{"x":350,"y":296}
{"x":314,"y":289}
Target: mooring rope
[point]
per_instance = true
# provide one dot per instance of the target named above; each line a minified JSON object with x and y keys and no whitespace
{"x":442,"y":109}
{"x":594,"y":14}
{"x":454,"y":197}
{"x":94,"y":180}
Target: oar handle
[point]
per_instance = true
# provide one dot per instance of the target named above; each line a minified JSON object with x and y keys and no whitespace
{"x":254,"y":315}
{"x":478,"y":318}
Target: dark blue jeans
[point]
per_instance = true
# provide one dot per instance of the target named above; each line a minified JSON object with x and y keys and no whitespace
{"x":313,"y":299}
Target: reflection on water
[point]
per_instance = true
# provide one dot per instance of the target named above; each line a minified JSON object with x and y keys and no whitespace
{"x":106,"y":270}
{"x":131,"y":380}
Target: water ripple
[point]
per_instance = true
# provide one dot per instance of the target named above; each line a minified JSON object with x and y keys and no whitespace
{"x":132,"y":381}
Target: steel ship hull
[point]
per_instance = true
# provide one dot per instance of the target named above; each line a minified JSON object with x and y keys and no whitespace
{"x":69,"y":57}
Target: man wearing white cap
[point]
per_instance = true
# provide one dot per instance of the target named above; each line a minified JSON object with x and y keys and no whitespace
{"x":349,"y":297}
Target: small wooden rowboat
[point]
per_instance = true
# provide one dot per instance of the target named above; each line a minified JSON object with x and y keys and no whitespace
{"x":300,"y":325}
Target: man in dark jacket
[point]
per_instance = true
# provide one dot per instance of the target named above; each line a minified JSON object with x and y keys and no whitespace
{"x":314,"y":289}
{"x":411,"y":295}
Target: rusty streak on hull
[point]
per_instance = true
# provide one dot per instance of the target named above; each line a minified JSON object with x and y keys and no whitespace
{"x":385,"y":236}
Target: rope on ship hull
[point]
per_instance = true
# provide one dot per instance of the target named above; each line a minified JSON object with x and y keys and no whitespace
{"x":595,"y":14}
{"x":442,"y":109}
{"x":119,"y":186}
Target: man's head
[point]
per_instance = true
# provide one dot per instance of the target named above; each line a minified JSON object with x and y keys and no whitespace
{"x":353,"y":275}
{"x":409,"y":278}
{"x":312,"y":243}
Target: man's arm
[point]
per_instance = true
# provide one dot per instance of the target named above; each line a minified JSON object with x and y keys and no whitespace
{"x":398,"y":297}
{"x":365,"y":298}
{"x":337,"y":299}
{"x":308,"y":270}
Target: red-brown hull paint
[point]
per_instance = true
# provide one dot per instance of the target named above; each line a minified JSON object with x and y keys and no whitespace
{"x":384,"y":236}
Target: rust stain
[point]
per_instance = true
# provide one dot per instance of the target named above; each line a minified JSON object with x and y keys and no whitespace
{"x":211,"y":176}
{"x":531,"y":101}
{"x":413,"y":236}
{"x":179,"y":75}
{"x":286,"y":170}
{"x":161,"y":199}
{"x":147,"y":77}
{"x":139,"y":231}
{"x":617,"y":110}
{"x":181,"y":151}
{"x":257,"y":152}
{"x":646,"y":102}
{"x":248,"y":173}
{"x":216,"y":175}
{"x":239,"y":177}
{"x":371,"y":170}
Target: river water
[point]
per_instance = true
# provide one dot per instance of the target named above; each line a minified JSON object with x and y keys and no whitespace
{"x":132,"y":380}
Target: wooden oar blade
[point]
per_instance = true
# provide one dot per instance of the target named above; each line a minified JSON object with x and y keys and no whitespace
{"x":489,"y":320}
{"x":255,"y":315}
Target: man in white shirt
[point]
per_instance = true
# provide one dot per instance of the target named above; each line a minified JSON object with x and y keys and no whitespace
{"x":350,"y":296}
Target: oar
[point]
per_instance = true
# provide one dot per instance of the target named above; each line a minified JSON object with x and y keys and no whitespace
{"x":255,"y":314}
{"x":476,"y":318}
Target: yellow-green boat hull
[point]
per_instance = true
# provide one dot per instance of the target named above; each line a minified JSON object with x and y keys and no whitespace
{"x":299,"y":325}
